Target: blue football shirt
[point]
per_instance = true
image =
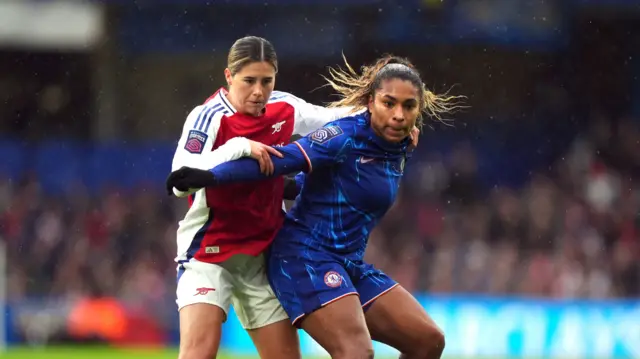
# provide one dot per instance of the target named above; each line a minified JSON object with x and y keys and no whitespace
{"x":351,"y":179}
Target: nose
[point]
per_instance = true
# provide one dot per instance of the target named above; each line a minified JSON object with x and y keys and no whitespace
{"x":398,"y":114}
{"x":258,"y":90}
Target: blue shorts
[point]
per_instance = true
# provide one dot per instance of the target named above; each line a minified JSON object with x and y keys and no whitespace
{"x":304,"y":286}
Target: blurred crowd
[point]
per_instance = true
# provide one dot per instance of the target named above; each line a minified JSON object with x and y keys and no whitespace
{"x":570,"y":232}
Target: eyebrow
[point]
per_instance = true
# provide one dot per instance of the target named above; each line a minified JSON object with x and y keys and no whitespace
{"x":413,"y":100}
{"x":254,"y":77}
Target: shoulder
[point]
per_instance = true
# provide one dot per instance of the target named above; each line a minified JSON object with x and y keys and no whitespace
{"x":218,"y":103}
{"x":340,"y":130}
{"x":280,"y":102}
{"x":202,"y":117}
{"x":285,"y":97}
{"x":207,"y":116}
{"x":351,"y":124}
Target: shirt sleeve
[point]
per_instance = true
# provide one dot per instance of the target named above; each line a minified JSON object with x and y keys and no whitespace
{"x":323,"y":147}
{"x":309,"y":117}
{"x":197,"y":139}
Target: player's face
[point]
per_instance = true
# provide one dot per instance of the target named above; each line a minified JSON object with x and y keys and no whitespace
{"x":250,"y":88}
{"x":394,"y":109}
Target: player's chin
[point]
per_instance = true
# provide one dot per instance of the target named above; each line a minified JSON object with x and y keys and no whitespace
{"x":395,"y":135}
{"x":254,"y":108}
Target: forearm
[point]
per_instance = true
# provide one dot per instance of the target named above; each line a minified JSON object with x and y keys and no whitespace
{"x":233,"y":149}
{"x":247,"y":169}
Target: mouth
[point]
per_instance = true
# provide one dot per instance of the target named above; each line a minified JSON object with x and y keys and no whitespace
{"x":400,"y":130}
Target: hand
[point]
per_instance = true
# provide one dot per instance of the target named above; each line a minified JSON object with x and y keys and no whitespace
{"x":414,"y":135}
{"x":260,"y":152}
{"x":186,"y":178}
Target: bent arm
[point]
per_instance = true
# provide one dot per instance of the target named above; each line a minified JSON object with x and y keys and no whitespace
{"x":247,"y":169}
{"x":197,"y":139}
{"x":324,"y":147}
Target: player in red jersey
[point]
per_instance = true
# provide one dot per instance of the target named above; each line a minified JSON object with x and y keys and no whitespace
{"x":226,"y":229}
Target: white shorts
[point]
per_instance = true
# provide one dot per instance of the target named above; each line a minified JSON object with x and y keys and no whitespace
{"x":241,"y":281}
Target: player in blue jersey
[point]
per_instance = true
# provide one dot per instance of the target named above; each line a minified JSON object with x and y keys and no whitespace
{"x":353,"y":168}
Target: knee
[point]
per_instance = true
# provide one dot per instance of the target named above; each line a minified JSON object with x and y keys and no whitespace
{"x":428,"y":345}
{"x":206,"y":348}
{"x":436,"y":343}
{"x":352,"y":349}
{"x":353,"y":352}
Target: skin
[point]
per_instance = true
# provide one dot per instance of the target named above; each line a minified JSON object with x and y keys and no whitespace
{"x":201,"y":323}
{"x":249,"y":91}
{"x":398,"y":320}
{"x":395,"y":318}
{"x":251,"y":87}
{"x":394,"y":109}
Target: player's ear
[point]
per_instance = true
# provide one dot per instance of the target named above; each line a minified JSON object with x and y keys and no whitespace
{"x":370,"y":104}
{"x":228,"y":76}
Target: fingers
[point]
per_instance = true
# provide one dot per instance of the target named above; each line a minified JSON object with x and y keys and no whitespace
{"x":266,"y":165}
{"x":273,"y":151}
{"x":261,"y":163}
{"x":177,"y":180}
{"x":261,"y":153}
{"x":415,"y":137}
{"x":268,"y":162}
{"x":170,"y":183}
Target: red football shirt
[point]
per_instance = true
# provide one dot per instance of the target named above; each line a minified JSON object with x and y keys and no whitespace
{"x":239,"y":218}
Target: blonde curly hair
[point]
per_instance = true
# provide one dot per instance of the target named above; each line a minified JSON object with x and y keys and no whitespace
{"x":356,"y":89}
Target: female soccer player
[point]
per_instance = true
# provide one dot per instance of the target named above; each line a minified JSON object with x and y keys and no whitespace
{"x":222,"y":237}
{"x":226,"y":230}
{"x":353,"y":168}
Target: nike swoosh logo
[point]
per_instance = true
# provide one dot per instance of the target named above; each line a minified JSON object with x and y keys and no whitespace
{"x":366,"y":160}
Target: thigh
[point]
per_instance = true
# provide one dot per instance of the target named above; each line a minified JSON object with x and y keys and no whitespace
{"x":253,"y":299}
{"x":340,"y":328}
{"x":203,"y":297}
{"x":277,"y":340}
{"x":260,"y":312}
{"x":398,"y":320}
{"x":204,"y":283}
{"x":200,"y":330}
{"x":304,"y":286}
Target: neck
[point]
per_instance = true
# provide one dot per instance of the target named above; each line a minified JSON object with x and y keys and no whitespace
{"x":238,"y":106}
{"x":232,"y":99}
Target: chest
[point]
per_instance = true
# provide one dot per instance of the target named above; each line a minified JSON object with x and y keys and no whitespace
{"x":371,"y":183}
{"x":275,"y":128}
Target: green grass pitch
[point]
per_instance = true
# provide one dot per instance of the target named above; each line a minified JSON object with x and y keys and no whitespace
{"x":84,"y":352}
{"x":98,"y":353}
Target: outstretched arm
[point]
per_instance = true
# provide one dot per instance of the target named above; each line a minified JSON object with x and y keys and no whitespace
{"x":246,"y":169}
{"x":294,"y":159}
{"x":196,"y":141}
{"x":323,"y":147}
